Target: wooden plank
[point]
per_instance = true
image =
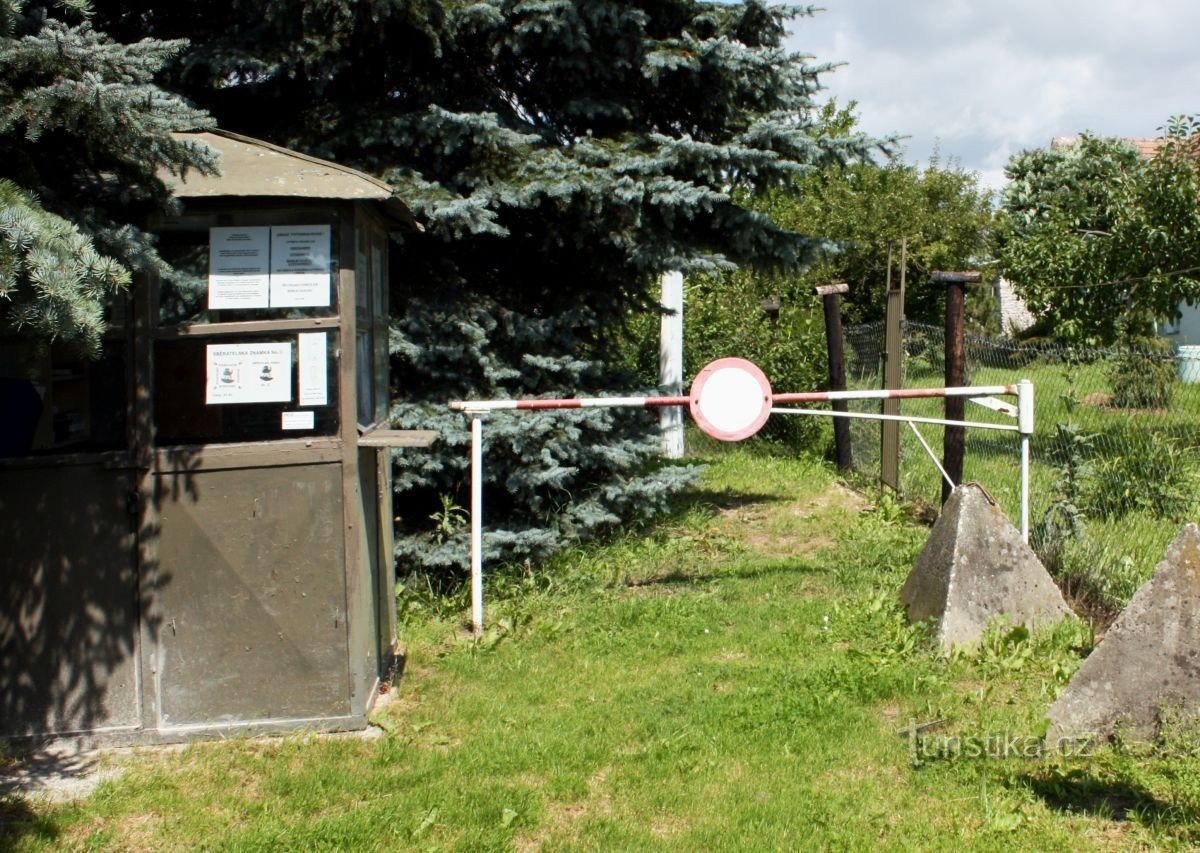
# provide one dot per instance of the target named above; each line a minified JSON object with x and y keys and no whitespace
{"x":893,"y":346}
{"x":245,"y":327}
{"x":949,"y":277}
{"x":398,"y":438}
{"x":831,"y":289}
{"x":954,"y":438}
{"x":261,"y":454}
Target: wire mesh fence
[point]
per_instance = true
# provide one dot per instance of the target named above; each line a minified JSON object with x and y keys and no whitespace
{"x":1115,"y":452}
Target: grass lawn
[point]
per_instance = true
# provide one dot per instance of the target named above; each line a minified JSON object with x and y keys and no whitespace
{"x":736,"y":678}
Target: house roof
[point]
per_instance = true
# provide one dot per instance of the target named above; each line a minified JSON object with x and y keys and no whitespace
{"x":256,"y":168}
{"x":1147,"y":147}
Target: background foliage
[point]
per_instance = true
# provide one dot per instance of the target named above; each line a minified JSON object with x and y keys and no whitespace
{"x":1101,"y":242}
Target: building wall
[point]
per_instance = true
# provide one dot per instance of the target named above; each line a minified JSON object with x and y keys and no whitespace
{"x":1014,"y":315}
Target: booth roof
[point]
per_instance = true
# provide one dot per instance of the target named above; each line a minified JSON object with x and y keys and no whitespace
{"x":252,"y":167}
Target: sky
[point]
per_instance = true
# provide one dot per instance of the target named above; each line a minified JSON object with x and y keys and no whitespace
{"x":979,"y":81}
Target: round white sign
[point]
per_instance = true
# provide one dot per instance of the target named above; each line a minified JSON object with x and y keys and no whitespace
{"x":731,"y":399}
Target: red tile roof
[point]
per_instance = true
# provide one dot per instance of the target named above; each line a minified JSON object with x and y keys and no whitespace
{"x":1144,"y":146}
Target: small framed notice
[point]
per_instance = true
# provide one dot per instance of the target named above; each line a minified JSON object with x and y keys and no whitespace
{"x":298,"y":420}
{"x":300,"y":266}
{"x":249,"y":373}
{"x":314,"y":368}
{"x":239,"y":271}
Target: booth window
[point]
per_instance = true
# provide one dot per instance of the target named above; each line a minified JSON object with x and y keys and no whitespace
{"x":242,"y":388}
{"x":58,"y":399}
{"x":194,"y":249}
{"x":244,"y":352}
{"x":371,"y":325}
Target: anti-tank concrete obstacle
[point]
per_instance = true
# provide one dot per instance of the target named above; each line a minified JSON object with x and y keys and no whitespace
{"x":975,"y":568}
{"x":1148,"y":664}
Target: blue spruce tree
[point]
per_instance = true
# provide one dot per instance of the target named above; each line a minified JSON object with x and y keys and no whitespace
{"x":84,"y":132}
{"x":561,"y":155}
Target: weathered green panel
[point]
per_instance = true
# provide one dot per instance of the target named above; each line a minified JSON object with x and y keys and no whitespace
{"x":253,"y":607}
{"x":68,"y":600}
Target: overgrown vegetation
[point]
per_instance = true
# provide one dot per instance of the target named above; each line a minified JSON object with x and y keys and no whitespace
{"x":1144,"y":375}
{"x":741,"y":676}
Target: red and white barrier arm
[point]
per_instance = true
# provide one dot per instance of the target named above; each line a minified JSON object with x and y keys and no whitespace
{"x":567,"y":403}
{"x":776,"y":399}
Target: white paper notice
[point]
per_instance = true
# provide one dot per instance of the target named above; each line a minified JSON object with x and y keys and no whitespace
{"x":314,"y":369}
{"x":300,"y":265}
{"x":238,"y":267}
{"x":249,"y":373}
{"x":298,"y":420}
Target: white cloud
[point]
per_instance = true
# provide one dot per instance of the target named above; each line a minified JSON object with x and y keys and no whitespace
{"x":981,"y":81}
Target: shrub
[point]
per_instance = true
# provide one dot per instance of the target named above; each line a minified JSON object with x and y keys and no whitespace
{"x":1144,"y":377}
{"x":1148,"y":473}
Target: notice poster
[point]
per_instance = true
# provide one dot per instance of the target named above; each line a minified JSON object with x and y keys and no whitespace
{"x":249,"y":373}
{"x":314,"y":369}
{"x":300,"y":266}
{"x":297,"y":420}
{"x":239,"y":269}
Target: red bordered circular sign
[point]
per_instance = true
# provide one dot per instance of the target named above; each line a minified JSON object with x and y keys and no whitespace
{"x":730,"y":399}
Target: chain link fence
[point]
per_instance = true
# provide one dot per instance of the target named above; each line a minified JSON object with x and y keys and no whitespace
{"x":1116,"y":452}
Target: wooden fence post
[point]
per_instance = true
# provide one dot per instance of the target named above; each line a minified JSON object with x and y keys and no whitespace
{"x":953,"y":442}
{"x":832,"y":302}
{"x":893,"y":364}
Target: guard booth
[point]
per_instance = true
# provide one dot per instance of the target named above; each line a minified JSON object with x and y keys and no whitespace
{"x":195,"y":529}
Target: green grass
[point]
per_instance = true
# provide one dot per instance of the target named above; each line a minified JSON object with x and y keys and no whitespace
{"x":736,"y":678}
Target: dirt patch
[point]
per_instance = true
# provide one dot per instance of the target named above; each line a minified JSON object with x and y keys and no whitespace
{"x":667,"y":826}
{"x":561,"y":818}
{"x":796,"y":529}
{"x":837,"y":496}
{"x":60,"y":772}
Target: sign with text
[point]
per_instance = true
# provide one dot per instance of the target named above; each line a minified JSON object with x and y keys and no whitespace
{"x":300,"y":265}
{"x":285,"y":266}
{"x":239,"y":267}
{"x":249,"y":373}
{"x":314,"y":368}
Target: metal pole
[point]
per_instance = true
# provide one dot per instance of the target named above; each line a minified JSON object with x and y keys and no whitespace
{"x":1025,"y":426}
{"x":477,"y":524}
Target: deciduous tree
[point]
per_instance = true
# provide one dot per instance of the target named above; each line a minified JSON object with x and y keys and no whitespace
{"x":1101,"y":242}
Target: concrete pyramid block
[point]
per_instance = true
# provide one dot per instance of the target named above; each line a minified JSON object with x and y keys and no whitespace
{"x":974,"y":568}
{"x":1147,"y":663}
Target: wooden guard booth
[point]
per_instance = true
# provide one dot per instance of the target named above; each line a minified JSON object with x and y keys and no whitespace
{"x":195,"y":529}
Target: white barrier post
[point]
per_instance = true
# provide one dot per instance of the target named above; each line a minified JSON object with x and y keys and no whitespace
{"x":1025,"y":427}
{"x":670,"y":363}
{"x":477,"y":524}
